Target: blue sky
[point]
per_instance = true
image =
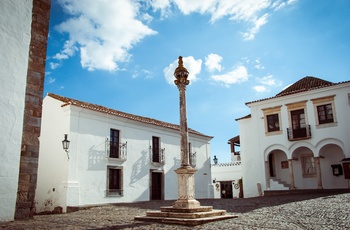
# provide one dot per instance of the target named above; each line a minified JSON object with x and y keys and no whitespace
{"x":122,"y":54}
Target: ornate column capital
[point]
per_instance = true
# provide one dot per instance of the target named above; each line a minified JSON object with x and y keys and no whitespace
{"x":181,"y":75}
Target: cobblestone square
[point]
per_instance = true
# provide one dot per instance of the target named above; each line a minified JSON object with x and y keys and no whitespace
{"x":298,"y":211}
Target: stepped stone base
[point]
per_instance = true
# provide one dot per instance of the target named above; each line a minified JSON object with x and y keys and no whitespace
{"x":185,"y":216}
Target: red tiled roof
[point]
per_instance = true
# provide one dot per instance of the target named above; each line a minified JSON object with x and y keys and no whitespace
{"x":305,"y":84}
{"x":245,"y":117}
{"x":102,"y":109}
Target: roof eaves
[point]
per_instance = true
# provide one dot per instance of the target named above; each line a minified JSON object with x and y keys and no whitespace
{"x":296,"y":91}
{"x":94,"y":107}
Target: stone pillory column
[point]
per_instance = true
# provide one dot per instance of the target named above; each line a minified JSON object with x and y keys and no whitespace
{"x":185,"y":174}
{"x":186,"y":210}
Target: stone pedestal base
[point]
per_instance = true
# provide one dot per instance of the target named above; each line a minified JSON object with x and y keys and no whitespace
{"x":182,"y":203}
{"x":186,"y":210}
{"x":185,"y":216}
{"x":186,"y":186}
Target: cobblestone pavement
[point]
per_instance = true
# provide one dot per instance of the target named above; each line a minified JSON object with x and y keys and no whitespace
{"x":302,"y":211}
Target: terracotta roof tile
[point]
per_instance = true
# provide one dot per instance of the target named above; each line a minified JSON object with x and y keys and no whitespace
{"x":102,"y":109}
{"x":305,"y":84}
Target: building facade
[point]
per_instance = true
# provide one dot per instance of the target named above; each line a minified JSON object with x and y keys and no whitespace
{"x":227,"y":176}
{"x":298,"y":139}
{"x":112,"y":157}
{"x":23,"y":40}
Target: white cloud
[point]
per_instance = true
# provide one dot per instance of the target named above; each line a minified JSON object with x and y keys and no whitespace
{"x":51,"y":80}
{"x":239,"y":74}
{"x":163,"y":5}
{"x":212,"y":62}
{"x":103,"y":31}
{"x":192,"y":65}
{"x":252,"y":12}
{"x":54,"y":65}
{"x":250,"y":34}
{"x":260,"y":88}
{"x":265,"y":82}
{"x":258,"y":64}
{"x":268,"y":80}
{"x":241,"y":11}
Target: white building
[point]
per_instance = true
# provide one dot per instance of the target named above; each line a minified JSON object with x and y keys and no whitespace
{"x":226,"y":176}
{"x":113,"y":157}
{"x":297,"y":139}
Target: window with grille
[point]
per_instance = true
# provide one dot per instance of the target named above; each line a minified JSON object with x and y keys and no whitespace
{"x":115,"y":181}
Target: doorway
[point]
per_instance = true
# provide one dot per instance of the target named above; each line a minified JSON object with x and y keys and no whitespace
{"x":226,"y":189}
{"x":272,"y":165}
{"x":156,"y":185}
{"x":298,"y":123}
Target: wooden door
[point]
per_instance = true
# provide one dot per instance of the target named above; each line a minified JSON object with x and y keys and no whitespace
{"x":156,"y":185}
{"x":298,"y":123}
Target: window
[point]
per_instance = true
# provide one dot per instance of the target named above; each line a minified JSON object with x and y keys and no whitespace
{"x":273,"y":123}
{"x":299,"y":127}
{"x":308,"y":166}
{"x":115,"y":181}
{"x":325,"y":114}
{"x":114,"y":144}
{"x":155,"y":149}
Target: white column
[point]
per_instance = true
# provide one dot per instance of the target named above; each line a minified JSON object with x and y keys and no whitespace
{"x":318,"y":170}
{"x":267,"y":174}
{"x":291,"y":174}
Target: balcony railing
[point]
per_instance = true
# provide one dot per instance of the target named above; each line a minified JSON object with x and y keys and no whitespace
{"x":299,"y":134}
{"x":117,"y":150}
{"x":157,"y":155}
{"x":193,"y":159}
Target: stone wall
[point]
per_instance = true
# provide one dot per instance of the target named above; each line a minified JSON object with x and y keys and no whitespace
{"x":33,"y":108}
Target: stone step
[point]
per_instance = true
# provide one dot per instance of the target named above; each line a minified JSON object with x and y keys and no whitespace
{"x":281,"y":182}
{"x":186,"y":215}
{"x":187,"y":210}
{"x":184,"y":221}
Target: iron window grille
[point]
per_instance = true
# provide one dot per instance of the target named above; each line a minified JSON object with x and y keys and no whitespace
{"x":157,"y":155}
{"x":299,"y":133}
{"x":116,"y":150}
{"x":115,"y":181}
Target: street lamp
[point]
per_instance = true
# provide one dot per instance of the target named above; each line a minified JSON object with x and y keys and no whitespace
{"x":215,"y":160}
{"x":65,"y":144}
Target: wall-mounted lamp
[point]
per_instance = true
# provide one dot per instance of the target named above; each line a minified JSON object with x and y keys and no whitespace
{"x":65,"y":144}
{"x":215,"y":160}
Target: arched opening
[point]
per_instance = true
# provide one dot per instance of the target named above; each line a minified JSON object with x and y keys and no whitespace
{"x":330,"y":159}
{"x":277,"y":171}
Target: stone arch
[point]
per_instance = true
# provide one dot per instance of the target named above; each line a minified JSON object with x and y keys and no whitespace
{"x":272,"y":148}
{"x":329,"y":141}
{"x":331,"y":152}
{"x":276,"y":176}
{"x":299,"y":146}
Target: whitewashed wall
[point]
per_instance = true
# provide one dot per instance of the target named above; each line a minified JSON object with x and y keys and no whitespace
{"x":255,"y":145}
{"x":53,"y":161}
{"x":82,"y":180}
{"x":15,"y":27}
{"x":226,"y":172}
